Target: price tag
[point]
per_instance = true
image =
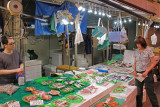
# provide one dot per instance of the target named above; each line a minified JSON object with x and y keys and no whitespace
{"x":15,"y":104}
{"x":36,"y":102}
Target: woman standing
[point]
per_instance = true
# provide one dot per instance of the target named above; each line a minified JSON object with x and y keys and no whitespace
{"x":144,"y":61}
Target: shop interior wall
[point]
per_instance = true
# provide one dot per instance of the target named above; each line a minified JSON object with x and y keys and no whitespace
{"x":43,"y":47}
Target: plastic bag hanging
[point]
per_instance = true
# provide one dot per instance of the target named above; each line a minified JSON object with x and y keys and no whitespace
{"x":78,"y":37}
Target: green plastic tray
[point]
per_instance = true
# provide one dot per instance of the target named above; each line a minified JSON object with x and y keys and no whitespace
{"x":48,"y":83}
{"x":31,"y":94}
{"x":79,"y":100}
{"x":60,"y":106}
{"x":56,"y":87}
{"x":67,"y":91}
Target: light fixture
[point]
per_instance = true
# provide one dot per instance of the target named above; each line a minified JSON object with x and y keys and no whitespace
{"x":147,"y":25}
{"x":115,"y":22}
{"x":130,"y":20}
{"x":83,"y":9}
{"x":65,"y":22}
{"x":109,"y":15}
{"x":103,"y":14}
{"x":71,"y":23}
{"x":100,"y":13}
{"x":80,"y":8}
{"x":90,"y":8}
{"x":95,"y":11}
{"x":125,"y":21}
{"x":143,"y":24}
{"x":139,"y":23}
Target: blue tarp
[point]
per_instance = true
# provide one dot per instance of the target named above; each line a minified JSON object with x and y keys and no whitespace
{"x":42,"y":28}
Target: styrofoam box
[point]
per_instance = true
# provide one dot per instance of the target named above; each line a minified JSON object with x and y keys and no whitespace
{"x":32,"y":77}
{"x":56,"y":59}
{"x":49,"y":69}
{"x":35,"y":68}
{"x":32,"y":62}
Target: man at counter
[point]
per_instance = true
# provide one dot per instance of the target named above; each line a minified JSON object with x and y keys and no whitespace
{"x":10,"y":62}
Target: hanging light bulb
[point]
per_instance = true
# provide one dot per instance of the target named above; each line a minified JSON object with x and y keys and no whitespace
{"x":71,"y":23}
{"x":83,"y":9}
{"x":125,"y":21}
{"x":65,"y":22}
{"x":100,"y":13}
{"x":115,"y":22}
{"x":139,"y":23}
{"x":143,"y":24}
{"x":90,"y":8}
{"x":95,"y":11}
{"x":103,"y":14}
{"x":130,"y":20}
{"x":80,"y":8}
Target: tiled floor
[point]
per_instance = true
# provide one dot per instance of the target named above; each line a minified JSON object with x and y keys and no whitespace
{"x":157,"y":91}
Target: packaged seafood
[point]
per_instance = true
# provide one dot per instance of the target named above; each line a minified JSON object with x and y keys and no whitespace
{"x":57,"y":85}
{"x":69,"y":82}
{"x":30,"y":89}
{"x":91,"y":89}
{"x":67,"y":89}
{"x":74,"y":98}
{"x":47,"y":82}
{"x":28,"y":98}
{"x":79,"y":85}
{"x":61,"y":103}
{"x":54,"y":92}
{"x":46,"y":97}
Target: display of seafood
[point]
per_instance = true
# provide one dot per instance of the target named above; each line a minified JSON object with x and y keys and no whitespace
{"x":61,"y":79}
{"x":84,"y":74}
{"x":109,"y":102}
{"x":57,"y":85}
{"x":106,"y":78}
{"x":79,"y":85}
{"x":121,"y":77}
{"x":40,"y":93}
{"x":105,"y":83}
{"x":47,"y":82}
{"x":78,"y":76}
{"x":72,"y":97}
{"x":99,"y":81}
{"x":54,"y":92}
{"x":122,"y":87}
{"x":118,"y":90}
{"x":69,"y":82}
{"x":91,"y":89}
{"x":30,"y":89}
{"x":46,"y":97}
{"x":30,"y":97}
{"x":67,"y":89}
{"x":84,"y":79}
{"x":93,"y":76}
{"x":102,"y":74}
{"x":61,"y":103}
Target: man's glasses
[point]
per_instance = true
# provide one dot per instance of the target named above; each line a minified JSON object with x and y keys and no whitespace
{"x":11,"y":43}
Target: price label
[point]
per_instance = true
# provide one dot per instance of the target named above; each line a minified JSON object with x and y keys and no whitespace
{"x":15,"y":104}
{"x":36,"y":102}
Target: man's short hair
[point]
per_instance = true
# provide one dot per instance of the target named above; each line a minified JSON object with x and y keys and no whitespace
{"x":4,"y":39}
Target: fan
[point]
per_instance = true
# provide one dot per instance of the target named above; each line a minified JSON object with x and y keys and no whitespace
{"x":14,"y":7}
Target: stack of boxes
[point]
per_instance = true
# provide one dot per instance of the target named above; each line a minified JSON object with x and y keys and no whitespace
{"x":32,"y":69}
{"x":129,"y":95}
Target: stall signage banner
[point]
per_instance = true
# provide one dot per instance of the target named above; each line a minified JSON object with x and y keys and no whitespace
{"x":46,"y":11}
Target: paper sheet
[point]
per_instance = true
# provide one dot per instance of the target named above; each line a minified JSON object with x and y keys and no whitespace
{"x":140,"y":77}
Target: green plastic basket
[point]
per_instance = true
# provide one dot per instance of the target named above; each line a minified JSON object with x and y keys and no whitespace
{"x":79,"y":100}
{"x":44,"y":105}
{"x":67,"y":91}
{"x":68,"y":84}
{"x":85,"y":81}
{"x":55,"y":79}
{"x":31,"y":94}
{"x":84,"y":74}
{"x":122,"y":87}
{"x":60,"y":100}
{"x":47,"y":83}
{"x":76,"y":78}
{"x":56,"y":87}
{"x":40,"y":79}
{"x":79,"y":87}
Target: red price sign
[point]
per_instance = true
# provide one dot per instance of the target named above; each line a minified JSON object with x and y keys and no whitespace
{"x":15,"y":104}
{"x":36,"y":102}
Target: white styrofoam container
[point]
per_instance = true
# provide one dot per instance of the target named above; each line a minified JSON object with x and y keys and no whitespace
{"x":49,"y":69}
{"x":32,"y":62}
{"x":56,"y":59}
